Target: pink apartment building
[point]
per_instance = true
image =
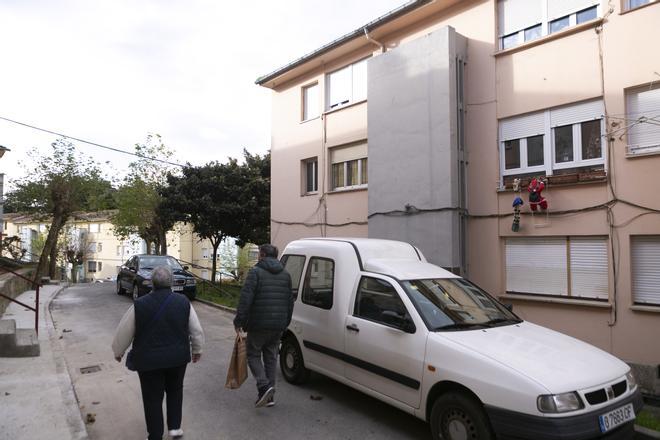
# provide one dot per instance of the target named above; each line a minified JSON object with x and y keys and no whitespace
{"x":425,"y":124}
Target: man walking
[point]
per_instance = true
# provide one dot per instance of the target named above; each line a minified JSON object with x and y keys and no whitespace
{"x":264,"y":311}
{"x":162,"y":327}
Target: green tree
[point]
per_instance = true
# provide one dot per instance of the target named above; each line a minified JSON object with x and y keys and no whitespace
{"x":56,"y":186}
{"x":223,"y":200}
{"x":139,"y":197}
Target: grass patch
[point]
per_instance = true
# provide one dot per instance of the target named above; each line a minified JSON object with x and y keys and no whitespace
{"x":226,"y":294}
{"x":648,"y":419}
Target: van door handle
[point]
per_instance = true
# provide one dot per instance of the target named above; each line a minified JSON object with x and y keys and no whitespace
{"x":353,"y":328}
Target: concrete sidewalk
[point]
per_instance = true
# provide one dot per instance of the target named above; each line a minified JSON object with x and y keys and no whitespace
{"x":36,"y":394}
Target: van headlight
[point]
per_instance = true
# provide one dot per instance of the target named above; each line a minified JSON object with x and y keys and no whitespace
{"x":632,"y":382}
{"x":559,"y":403}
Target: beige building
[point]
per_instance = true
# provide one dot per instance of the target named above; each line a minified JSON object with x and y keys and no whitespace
{"x":428,"y":122}
{"x":104,"y":252}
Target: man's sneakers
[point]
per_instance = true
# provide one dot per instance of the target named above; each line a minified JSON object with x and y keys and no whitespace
{"x":176,"y":433}
{"x":264,"y":396}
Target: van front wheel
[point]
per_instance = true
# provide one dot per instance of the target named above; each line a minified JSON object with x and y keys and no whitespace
{"x":291,"y":361}
{"x":456,"y":416}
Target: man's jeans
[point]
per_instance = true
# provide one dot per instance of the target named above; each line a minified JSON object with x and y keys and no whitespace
{"x":264,"y":342}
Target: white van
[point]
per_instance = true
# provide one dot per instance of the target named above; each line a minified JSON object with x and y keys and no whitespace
{"x":375,"y":315}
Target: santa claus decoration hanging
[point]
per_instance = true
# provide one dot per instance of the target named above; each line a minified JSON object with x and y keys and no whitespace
{"x":536,"y":200}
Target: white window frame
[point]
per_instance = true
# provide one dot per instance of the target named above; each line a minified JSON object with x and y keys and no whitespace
{"x":94,"y":227}
{"x":548,"y":133}
{"x":645,"y":264}
{"x":350,"y":99}
{"x":306,"y":115}
{"x":634,"y":118}
{"x":584,"y":261}
{"x":545,"y":23}
{"x":345,"y":185}
{"x":627,"y":7}
{"x":315,"y":170}
{"x":205,"y":253}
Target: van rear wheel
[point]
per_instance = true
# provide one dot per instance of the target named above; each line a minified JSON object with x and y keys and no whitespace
{"x":291,"y":361}
{"x":456,"y":416}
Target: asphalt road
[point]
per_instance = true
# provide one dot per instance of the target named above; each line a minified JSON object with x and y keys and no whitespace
{"x":86,"y":316}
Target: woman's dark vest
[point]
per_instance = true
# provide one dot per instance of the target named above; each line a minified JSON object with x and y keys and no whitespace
{"x":167,"y":343}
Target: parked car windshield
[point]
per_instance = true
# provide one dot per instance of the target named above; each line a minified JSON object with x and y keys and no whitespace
{"x":456,"y":304}
{"x":151,"y":262}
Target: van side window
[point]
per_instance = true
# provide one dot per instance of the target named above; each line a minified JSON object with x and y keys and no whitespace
{"x":378,"y":301}
{"x":319,"y":283}
{"x":294,"y":265}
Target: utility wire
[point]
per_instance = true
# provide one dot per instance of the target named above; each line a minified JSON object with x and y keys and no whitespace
{"x":117,"y":150}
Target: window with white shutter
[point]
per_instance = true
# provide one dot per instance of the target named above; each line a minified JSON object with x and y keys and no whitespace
{"x":570,"y":136}
{"x":536,"y":265}
{"x":346,"y":85}
{"x":646,"y":269}
{"x":311,"y":106}
{"x":588,"y":267}
{"x":643,"y":117}
{"x":575,"y":267}
{"x":526,"y":20}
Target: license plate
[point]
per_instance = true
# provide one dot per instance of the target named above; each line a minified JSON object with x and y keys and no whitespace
{"x":177,"y":288}
{"x":616,"y":417}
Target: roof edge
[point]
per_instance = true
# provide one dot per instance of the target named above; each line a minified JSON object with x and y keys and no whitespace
{"x":386,"y":18}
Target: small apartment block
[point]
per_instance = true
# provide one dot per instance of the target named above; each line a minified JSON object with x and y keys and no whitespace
{"x":426,"y":124}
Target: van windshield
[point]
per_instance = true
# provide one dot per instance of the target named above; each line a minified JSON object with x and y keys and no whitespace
{"x":456,"y":304}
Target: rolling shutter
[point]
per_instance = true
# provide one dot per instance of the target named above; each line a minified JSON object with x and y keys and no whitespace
{"x":644,"y":135}
{"x":536,"y":265}
{"x":589,"y":266}
{"x":572,"y":114}
{"x":522,"y":126}
{"x":646,"y":269}
{"x":516,"y":15}
{"x":344,"y":154}
{"x":562,"y":8}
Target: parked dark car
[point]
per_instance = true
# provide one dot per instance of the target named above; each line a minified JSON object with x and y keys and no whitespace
{"x":135,"y":276}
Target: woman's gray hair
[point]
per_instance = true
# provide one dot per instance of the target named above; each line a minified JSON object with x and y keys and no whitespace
{"x":161,"y":277}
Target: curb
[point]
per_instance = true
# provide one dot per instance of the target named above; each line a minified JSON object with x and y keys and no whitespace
{"x":643,"y":433}
{"x":217,"y":306}
{"x":69,"y":398}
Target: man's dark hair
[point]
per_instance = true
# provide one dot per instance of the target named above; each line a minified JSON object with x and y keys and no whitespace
{"x":268,"y":250}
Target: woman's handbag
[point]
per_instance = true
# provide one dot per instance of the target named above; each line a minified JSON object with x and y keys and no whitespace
{"x":237,"y":373}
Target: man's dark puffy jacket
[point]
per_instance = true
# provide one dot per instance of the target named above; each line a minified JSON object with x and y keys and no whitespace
{"x":266,"y":298}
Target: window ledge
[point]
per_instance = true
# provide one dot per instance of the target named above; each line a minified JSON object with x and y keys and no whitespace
{"x":627,"y":11}
{"x":563,"y":33}
{"x":556,"y":181}
{"x":311,"y":193}
{"x":630,"y":155}
{"x":554,"y":300}
{"x":640,"y":308}
{"x":310,"y":119}
{"x":357,"y":188}
{"x":349,"y":105}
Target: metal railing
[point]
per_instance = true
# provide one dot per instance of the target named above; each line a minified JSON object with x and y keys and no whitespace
{"x":35,"y":309}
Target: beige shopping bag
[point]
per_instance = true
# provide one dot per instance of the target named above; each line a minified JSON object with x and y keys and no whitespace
{"x":237,"y":372}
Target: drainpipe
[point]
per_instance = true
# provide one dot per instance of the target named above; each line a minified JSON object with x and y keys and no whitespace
{"x":383,"y":49}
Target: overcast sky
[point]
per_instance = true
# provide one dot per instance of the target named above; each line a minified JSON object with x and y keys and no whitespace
{"x":113,"y":71}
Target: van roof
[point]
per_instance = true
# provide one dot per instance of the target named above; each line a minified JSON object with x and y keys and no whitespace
{"x":396,"y":258}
